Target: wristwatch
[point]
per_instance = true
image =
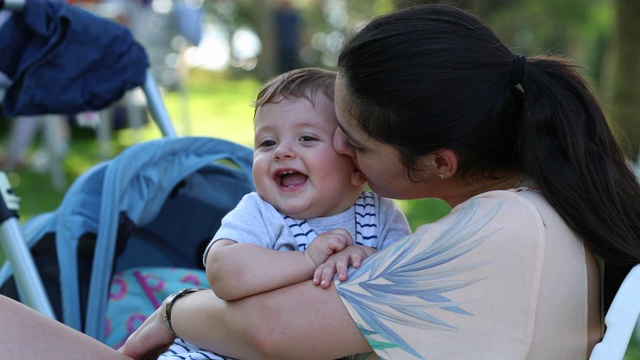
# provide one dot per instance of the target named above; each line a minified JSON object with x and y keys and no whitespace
{"x":169,"y":303}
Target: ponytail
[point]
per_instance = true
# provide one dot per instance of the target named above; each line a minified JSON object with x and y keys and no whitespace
{"x":567,"y":146}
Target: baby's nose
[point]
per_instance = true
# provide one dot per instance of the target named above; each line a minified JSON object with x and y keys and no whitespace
{"x":284,"y":151}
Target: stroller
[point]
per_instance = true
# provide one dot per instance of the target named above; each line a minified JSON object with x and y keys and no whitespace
{"x":145,"y":215}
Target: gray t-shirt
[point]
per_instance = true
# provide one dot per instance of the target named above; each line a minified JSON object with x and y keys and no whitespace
{"x":255,"y":221}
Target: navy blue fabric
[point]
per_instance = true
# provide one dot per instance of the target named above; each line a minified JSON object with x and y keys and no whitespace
{"x":64,"y":60}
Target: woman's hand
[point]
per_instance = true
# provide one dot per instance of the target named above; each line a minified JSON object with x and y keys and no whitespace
{"x":151,"y":339}
{"x":339,"y":263}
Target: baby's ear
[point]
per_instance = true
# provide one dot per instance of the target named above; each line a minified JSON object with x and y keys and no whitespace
{"x":358,"y":179}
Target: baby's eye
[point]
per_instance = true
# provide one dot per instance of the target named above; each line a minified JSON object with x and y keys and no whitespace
{"x":267,"y":143}
{"x":305,"y":138}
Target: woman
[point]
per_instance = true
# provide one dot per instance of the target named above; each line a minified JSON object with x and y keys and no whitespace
{"x":432,"y":104}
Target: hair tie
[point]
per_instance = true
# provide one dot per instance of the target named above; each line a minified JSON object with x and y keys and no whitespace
{"x":517,"y":72}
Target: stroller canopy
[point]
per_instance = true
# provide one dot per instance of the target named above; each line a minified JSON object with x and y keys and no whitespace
{"x":86,"y":61}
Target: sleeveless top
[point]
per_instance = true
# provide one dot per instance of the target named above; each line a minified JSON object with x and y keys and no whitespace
{"x":501,"y":277}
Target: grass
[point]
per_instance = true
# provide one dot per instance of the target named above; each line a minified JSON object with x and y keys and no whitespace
{"x":215,"y":106}
{"x":633,"y":351}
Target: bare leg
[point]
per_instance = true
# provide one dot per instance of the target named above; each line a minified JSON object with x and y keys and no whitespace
{"x":27,"y":334}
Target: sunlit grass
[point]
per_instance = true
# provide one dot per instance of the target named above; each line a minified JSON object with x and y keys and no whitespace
{"x":213,"y":106}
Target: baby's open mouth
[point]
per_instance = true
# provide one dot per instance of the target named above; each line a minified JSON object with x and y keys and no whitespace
{"x":290,"y":178}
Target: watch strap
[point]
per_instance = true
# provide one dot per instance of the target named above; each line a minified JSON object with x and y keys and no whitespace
{"x":171,"y":299}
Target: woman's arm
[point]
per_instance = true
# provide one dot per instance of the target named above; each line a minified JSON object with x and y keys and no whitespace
{"x":301,"y":321}
{"x":27,"y":334}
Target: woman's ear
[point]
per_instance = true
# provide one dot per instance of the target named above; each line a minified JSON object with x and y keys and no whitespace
{"x":446,"y":162}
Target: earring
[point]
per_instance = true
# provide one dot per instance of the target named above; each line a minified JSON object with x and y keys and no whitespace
{"x":440,"y":176}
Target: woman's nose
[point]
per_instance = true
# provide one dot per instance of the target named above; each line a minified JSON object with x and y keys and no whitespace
{"x":339,"y":144}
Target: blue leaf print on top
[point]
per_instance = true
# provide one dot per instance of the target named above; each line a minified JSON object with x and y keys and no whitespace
{"x":404,"y":285}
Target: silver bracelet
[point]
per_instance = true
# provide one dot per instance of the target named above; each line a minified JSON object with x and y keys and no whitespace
{"x":169,"y":303}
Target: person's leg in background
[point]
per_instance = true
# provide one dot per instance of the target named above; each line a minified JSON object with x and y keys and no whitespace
{"x":23,"y":131}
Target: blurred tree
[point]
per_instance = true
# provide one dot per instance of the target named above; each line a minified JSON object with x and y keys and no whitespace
{"x":407,"y":3}
{"x":576,"y":29}
{"x":289,"y":29}
{"x":262,"y":14}
{"x":261,"y":17}
{"x":626,"y":92}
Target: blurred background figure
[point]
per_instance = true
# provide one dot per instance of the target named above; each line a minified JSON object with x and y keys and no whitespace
{"x":23,"y":130}
{"x":288,"y":24}
{"x":48,"y":156}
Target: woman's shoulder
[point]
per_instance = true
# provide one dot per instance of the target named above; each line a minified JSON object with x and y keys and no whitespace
{"x":496,"y":227}
{"x":503,"y":209}
{"x":511,"y":197}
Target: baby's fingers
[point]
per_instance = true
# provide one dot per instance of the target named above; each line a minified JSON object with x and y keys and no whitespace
{"x":324,"y":275}
{"x":341,"y":269}
{"x":317,"y":275}
{"x":356,"y":259}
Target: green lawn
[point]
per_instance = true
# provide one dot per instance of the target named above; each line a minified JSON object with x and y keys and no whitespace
{"x":214,"y":106}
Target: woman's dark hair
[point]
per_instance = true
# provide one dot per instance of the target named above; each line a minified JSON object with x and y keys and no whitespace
{"x":436,"y":77}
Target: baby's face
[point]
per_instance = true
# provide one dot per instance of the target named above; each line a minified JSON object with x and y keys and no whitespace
{"x":295,"y":167}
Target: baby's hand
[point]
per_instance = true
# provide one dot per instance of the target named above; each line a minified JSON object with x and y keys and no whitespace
{"x":327,"y":244}
{"x":339,"y":263}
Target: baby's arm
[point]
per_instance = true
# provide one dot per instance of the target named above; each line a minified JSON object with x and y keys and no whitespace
{"x":237,"y":270}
